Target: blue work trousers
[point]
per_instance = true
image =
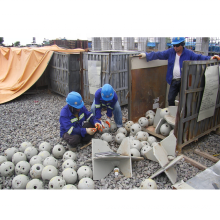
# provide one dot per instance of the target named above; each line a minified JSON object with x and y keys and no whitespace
{"x":173,"y":92}
{"x":116,"y":112}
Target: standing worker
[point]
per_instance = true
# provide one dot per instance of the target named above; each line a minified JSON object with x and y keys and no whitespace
{"x":107,"y":97}
{"x":175,"y":57}
{"x":72,"y":117}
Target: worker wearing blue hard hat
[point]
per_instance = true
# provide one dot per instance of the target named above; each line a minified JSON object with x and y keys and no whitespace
{"x":73,"y":128}
{"x":106,"y":97}
{"x":175,"y":57}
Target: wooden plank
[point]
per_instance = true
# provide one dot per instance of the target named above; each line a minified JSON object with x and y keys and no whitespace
{"x":194,"y":163}
{"x":206,"y":155}
{"x":86,"y":145}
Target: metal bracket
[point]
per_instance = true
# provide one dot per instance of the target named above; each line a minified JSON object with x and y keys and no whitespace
{"x":102,"y":166}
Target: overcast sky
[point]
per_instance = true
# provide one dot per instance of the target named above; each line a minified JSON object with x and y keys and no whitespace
{"x":21,"y":20}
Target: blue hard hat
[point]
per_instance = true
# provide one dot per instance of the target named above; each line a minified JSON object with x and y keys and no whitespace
{"x":107,"y":92}
{"x":177,"y":40}
{"x":74,"y":99}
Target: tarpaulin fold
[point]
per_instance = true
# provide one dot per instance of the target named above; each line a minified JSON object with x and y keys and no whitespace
{"x":20,"y":68}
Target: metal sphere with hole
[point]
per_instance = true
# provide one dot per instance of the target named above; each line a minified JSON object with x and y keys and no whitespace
{"x":128,"y":125}
{"x":69,"y":155}
{"x":145,"y":149}
{"x":84,"y":171}
{"x":10,"y":152}
{"x":141,"y":136}
{"x":22,"y":167}
{"x":7,"y":168}
{"x":44,"y":154}
{"x":69,"y":163}
{"x":24,"y":145}
{"x":122,"y":130}
{"x":86,"y":183}
{"x":69,"y":186}
{"x":113,"y":127}
{"x":30,"y":152}
{"x":148,"y":184}
{"x":150,"y":118}
{"x":150,"y":112}
{"x":35,"y":184}
{"x":134,"y":129}
{"x":20,"y":181}
{"x":144,"y":143}
{"x":106,"y":137}
{"x":143,"y":122}
{"x":136,"y":144}
{"x":69,"y":175}
{"x":58,"y":151}
{"x":36,"y":159}
{"x":164,"y":111}
{"x":49,"y":172}
{"x":151,"y":140}
{"x":2,"y":159}
{"x":17,"y":157}
{"x":119,"y":138}
{"x":50,"y":161}
{"x":165,"y":129}
{"x":36,"y":171}
{"x":45,"y":146}
{"x":135,"y":152}
{"x":57,"y":182}
{"x":106,"y":129}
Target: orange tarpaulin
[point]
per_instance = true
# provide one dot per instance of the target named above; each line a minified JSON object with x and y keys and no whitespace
{"x":20,"y":68}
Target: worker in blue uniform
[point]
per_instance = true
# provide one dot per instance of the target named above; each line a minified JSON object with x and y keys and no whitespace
{"x":77,"y":124}
{"x":175,"y":57}
{"x":106,"y":97}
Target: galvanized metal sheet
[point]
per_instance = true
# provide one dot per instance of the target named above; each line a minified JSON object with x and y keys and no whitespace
{"x":145,"y":86}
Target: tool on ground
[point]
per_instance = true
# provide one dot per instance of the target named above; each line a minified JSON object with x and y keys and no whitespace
{"x":99,"y":126}
{"x":85,"y":145}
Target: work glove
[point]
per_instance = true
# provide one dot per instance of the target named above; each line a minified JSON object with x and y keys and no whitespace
{"x":142,"y":55}
{"x":100,"y":126}
{"x":215,"y":57}
{"x":91,"y":131}
{"x":108,"y":121}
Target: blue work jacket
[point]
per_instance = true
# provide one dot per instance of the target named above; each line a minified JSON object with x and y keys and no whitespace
{"x":170,"y":55}
{"x":70,"y":124}
{"x":99,"y":103}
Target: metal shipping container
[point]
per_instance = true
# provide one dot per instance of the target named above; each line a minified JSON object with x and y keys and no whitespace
{"x":114,"y":71}
{"x":64,"y":73}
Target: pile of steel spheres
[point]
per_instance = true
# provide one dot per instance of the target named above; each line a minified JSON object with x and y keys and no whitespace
{"x":140,"y":140}
{"x":42,"y":165}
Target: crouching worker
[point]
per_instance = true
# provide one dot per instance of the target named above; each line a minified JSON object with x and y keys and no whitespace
{"x":107,"y":97}
{"x":77,"y":124}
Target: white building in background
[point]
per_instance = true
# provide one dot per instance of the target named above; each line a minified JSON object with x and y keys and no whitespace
{"x":106,"y":43}
{"x":116,"y":43}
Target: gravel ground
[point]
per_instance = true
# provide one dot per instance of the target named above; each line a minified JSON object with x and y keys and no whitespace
{"x":35,"y":118}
